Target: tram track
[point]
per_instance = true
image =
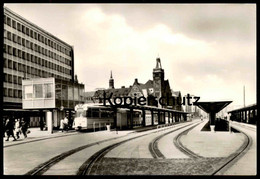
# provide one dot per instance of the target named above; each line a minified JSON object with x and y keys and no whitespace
{"x":42,"y":168}
{"x":91,"y":165}
{"x":231,"y":159}
{"x":153,"y":146}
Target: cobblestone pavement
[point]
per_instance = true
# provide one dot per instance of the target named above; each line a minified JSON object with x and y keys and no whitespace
{"x":145,"y":166}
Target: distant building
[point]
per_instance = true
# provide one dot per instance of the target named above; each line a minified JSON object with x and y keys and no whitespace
{"x":158,"y":87}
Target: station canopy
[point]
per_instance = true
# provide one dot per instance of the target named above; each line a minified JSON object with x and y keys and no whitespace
{"x":213,"y":106}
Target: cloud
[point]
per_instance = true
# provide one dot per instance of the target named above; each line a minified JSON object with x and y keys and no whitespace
{"x":205,"y":50}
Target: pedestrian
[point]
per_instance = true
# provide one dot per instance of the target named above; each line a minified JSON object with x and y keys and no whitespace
{"x":66,"y":123}
{"x":24,"y":128}
{"x":9,"y":129}
{"x":61,"y":125}
{"x":17,"y":128}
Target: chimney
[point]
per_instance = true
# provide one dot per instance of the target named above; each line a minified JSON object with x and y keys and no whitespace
{"x":136,"y":80}
{"x":123,"y":87}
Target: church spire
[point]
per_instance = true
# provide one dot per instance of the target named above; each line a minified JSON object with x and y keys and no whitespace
{"x":111,"y":81}
{"x":158,"y":62}
{"x":111,"y":75}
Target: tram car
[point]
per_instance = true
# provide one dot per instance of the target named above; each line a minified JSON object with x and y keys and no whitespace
{"x":90,"y":116}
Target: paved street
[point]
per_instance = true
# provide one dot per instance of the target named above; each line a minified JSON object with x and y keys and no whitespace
{"x":131,"y":157}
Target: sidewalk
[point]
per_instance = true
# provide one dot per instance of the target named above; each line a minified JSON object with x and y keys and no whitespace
{"x":37,"y":134}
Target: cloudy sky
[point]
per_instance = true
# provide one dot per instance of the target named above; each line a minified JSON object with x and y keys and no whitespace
{"x":205,"y":50}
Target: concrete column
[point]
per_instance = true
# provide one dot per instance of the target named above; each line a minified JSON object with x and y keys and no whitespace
{"x":212,"y":118}
{"x":246,"y":116}
{"x":159,"y":117}
{"x":164,"y":117}
{"x":254,"y":117}
{"x":152,"y":118}
{"x":143,"y":118}
{"x":115,"y":117}
{"x":49,"y":122}
{"x":131,"y":118}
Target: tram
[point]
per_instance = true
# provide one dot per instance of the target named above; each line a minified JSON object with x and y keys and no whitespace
{"x":91,"y":116}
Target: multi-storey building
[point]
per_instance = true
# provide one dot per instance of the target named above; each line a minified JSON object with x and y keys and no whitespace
{"x":30,"y":52}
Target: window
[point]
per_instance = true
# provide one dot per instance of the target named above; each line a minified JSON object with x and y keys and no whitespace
{"x":27,"y":31}
{"x":15,"y":66}
{"x":15,"y":52}
{"x":5,"y":63}
{"x":9,"y":36}
{"x":28,"y":70}
{"x":10,"y":92}
{"x":20,"y":67}
{"x":10,"y":78}
{"x":8,"y":21}
{"x":38,"y":91}
{"x":23,"y":29}
{"x":19,"y":53}
{"x":48,"y":90}
{"x":28,"y":91}
{"x":14,"y":24}
{"x":19,"y":80}
{"x":15,"y":79}
{"x":31,"y":33}
{"x":10,"y":64}
{"x":14,"y":38}
{"x":19,"y":27}
{"x":23,"y":42}
{"x":4,"y":19}
{"x":5,"y":78}
{"x":19,"y":93}
{"x":5,"y":92}
{"x":19,"y":40}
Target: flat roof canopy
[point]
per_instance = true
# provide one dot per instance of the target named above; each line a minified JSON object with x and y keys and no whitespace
{"x":213,"y":106}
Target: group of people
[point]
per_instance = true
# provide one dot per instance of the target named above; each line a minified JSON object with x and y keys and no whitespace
{"x":15,"y":128}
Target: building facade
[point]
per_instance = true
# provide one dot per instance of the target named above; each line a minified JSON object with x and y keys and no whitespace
{"x":152,"y":90}
{"x":30,"y":52}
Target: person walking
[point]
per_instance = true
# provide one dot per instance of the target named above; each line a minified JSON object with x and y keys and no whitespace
{"x":61,"y":125}
{"x":17,"y":128}
{"x":24,"y":128}
{"x":10,"y":129}
{"x":66,"y":123}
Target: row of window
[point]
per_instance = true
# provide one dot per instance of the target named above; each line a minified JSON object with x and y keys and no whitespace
{"x":31,"y":70}
{"x":35,"y":47}
{"x":34,"y":59}
{"x":13,"y":79}
{"x":31,"y":33}
{"x":14,"y":93}
{"x":38,"y":91}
